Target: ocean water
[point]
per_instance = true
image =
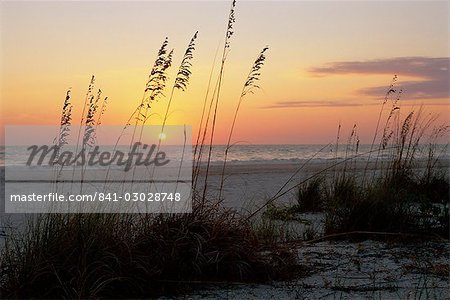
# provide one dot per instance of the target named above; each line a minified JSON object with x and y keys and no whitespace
{"x":258,"y":154}
{"x":248,"y":154}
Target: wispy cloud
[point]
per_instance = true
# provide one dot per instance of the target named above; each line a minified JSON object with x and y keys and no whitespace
{"x":318,"y":103}
{"x":432,"y":74}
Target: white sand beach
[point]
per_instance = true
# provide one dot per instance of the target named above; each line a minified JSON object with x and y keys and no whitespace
{"x":250,"y":184}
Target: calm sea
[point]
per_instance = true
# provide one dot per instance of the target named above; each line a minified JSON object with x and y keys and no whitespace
{"x":256,"y":154}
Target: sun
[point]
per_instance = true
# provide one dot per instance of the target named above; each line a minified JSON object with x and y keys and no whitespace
{"x":162,"y":136}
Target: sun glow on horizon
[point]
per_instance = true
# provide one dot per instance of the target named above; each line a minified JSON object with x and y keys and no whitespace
{"x":162,"y":136}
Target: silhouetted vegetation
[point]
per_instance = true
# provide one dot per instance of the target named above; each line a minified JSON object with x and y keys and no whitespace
{"x":396,"y":192}
{"x":136,"y":256}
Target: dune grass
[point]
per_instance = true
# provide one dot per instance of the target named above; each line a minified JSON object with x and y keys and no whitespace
{"x":398,"y":195}
{"x":393,"y":205}
{"x":136,"y":256}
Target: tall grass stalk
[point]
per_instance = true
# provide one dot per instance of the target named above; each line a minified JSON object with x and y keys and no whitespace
{"x":156,"y":83}
{"x":181,"y":82}
{"x":102,"y":111}
{"x":124,"y":128}
{"x":205,"y":131}
{"x":336,"y":148}
{"x":64,"y":132}
{"x":183,"y":75}
{"x":350,"y":142}
{"x":199,"y":145}
{"x":249,"y":86}
{"x":86,"y":99}
{"x":89,"y":136}
{"x":229,"y":33}
{"x":154,"y":88}
{"x":391,"y":90}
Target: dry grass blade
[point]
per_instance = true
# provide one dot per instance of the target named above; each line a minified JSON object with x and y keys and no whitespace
{"x":231,"y":21}
{"x":154,"y":87}
{"x":248,"y":88}
{"x":66,"y":120}
{"x":87,"y":100}
{"x":158,"y":76}
{"x":64,"y":132}
{"x":183,"y":75}
{"x":216,"y":95}
{"x":102,"y":111}
{"x":184,"y":72}
{"x":89,"y":130}
{"x":255,"y":74}
{"x":390,"y":90}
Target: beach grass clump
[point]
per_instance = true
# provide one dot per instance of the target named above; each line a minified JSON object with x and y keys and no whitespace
{"x":406,"y":190}
{"x":375,"y":215}
{"x":435,"y":187}
{"x":129,"y":255}
{"x":283,"y":213}
{"x":402,"y":204}
{"x":311,"y":196}
{"x":361,"y":210}
{"x":344,"y":190}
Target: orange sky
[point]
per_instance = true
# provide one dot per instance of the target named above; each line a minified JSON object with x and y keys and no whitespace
{"x":328,"y":62}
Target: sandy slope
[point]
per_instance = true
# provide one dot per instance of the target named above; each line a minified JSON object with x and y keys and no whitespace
{"x":342,"y":270}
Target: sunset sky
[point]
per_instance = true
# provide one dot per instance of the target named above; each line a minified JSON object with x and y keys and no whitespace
{"x":328,"y":62}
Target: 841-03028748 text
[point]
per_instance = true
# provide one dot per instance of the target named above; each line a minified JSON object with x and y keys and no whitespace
{"x":97,"y":196}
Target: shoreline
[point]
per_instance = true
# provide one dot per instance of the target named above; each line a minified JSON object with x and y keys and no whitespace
{"x":246,"y":182}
